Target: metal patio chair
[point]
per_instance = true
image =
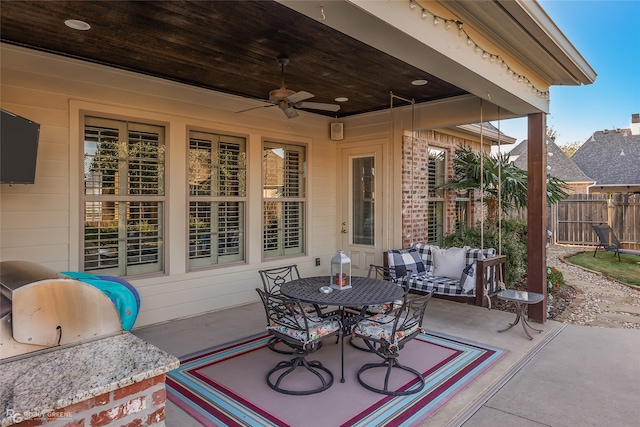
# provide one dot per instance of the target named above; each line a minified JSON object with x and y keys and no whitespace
{"x":272,"y":279}
{"x":289,"y":322}
{"x":386,"y":336}
{"x":397,"y":275}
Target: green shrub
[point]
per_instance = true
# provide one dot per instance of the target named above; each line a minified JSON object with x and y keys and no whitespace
{"x":514,"y":244}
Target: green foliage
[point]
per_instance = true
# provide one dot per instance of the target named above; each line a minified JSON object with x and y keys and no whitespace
{"x":570,"y":147}
{"x":498,"y":179}
{"x":555,"y":279}
{"x":514,"y":244}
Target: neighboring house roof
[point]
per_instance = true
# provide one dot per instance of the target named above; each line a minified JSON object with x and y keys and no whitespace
{"x":518,"y":150}
{"x":610,"y":157}
{"x":562,"y":166}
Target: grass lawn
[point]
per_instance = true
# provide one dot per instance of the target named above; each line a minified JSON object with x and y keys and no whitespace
{"x":627,"y":271}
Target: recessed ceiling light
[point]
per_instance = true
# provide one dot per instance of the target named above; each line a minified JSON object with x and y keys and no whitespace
{"x":341,"y":99}
{"x":76,"y":24}
{"x":419,"y":82}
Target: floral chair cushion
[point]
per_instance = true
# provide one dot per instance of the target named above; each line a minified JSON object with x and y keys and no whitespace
{"x":381,"y":328}
{"x":387,"y":307}
{"x":318,"y":328}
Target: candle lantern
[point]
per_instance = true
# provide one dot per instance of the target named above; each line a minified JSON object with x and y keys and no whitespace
{"x":340,"y":271}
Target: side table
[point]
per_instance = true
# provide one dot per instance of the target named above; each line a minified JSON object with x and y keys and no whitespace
{"x":521,"y":300}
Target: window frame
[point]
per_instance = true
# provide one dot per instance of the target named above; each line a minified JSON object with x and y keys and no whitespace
{"x":211,"y":257}
{"x":437,"y":199}
{"x":301,"y":200}
{"x":127,"y":243}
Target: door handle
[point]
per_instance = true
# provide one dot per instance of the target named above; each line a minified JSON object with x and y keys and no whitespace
{"x":343,"y":231}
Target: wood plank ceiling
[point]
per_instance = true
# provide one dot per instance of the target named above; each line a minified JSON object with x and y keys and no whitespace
{"x":227,"y":46}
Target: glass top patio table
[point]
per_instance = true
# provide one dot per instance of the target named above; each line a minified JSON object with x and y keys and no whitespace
{"x":521,"y":300}
{"x":363,"y":291}
{"x":520,"y":296}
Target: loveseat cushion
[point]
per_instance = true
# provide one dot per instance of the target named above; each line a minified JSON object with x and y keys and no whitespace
{"x":442,"y":285}
{"x":409,"y":259}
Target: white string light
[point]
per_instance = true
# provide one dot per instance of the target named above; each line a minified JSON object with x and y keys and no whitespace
{"x":493,"y":57}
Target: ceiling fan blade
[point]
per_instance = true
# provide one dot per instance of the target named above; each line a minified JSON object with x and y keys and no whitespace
{"x":290,"y":112}
{"x":299,"y":96}
{"x":319,"y":106}
{"x":255,"y":108}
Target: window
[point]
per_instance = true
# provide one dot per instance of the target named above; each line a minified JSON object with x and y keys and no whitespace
{"x":284,"y":199}
{"x":217,"y":197}
{"x":463,"y":202}
{"x":436,"y":177}
{"x":124,"y":175}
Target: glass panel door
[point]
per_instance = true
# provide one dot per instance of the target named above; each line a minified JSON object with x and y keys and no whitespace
{"x":361,"y":222}
{"x":363,"y":200}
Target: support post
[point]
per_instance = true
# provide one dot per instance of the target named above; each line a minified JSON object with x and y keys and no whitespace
{"x":537,"y":213}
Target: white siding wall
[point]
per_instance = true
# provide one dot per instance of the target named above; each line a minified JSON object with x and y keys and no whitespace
{"x":42,"y":223}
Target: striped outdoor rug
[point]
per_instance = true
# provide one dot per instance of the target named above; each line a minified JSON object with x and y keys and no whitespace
{"x":225,"y":386}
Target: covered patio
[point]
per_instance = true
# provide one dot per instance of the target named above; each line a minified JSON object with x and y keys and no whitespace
{"x":545,"y":381}
{"x":161,"y":124}
{"x":154,"y":62}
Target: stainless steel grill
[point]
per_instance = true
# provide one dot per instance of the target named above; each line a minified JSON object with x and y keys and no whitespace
{"x":41,"y":309}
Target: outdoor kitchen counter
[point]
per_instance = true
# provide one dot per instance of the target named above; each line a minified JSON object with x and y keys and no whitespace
{"x":55,"y":379}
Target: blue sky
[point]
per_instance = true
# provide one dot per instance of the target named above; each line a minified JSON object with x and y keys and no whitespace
{"x":607,"y":35}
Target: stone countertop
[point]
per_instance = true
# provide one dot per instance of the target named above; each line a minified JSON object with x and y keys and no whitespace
{"x":55,"y":379}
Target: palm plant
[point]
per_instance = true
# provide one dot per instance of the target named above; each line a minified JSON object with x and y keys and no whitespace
{"x":501,"y":180}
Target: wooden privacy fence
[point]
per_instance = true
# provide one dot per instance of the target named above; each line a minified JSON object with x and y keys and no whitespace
{"x":576,"y":215}
{"x":571,"y":220}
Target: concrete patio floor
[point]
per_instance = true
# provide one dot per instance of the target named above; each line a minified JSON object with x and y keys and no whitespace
{"x":567,"y":375}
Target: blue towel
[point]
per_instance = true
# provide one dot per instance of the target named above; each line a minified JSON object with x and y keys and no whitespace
{"x":133,"y":290}
{"x":125,"y":298}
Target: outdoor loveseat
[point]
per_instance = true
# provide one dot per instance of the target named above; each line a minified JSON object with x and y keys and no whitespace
{"x":465,"y":274}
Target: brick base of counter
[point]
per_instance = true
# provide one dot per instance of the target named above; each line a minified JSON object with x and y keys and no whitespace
{"x":137,"y":405}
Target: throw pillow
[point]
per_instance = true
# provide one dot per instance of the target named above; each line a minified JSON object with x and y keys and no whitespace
{"x":468,"y":278}
{"x":474,"y":254}
{"x":405,"y":259}
{"x":426,"y":254}
{"x":448,"y":262}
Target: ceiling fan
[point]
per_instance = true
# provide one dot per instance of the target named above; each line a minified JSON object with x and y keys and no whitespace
{"x":288,"y":100}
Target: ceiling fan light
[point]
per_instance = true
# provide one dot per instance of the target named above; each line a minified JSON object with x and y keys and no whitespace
{"x":419,"y":82}
{"x":341,"y":99}
{"x":77,"y":24}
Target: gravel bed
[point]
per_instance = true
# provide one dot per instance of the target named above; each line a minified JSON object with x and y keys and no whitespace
{"x":600,"y":301}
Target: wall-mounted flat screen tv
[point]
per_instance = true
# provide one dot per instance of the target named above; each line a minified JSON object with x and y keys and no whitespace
{"x":18,"y":149}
